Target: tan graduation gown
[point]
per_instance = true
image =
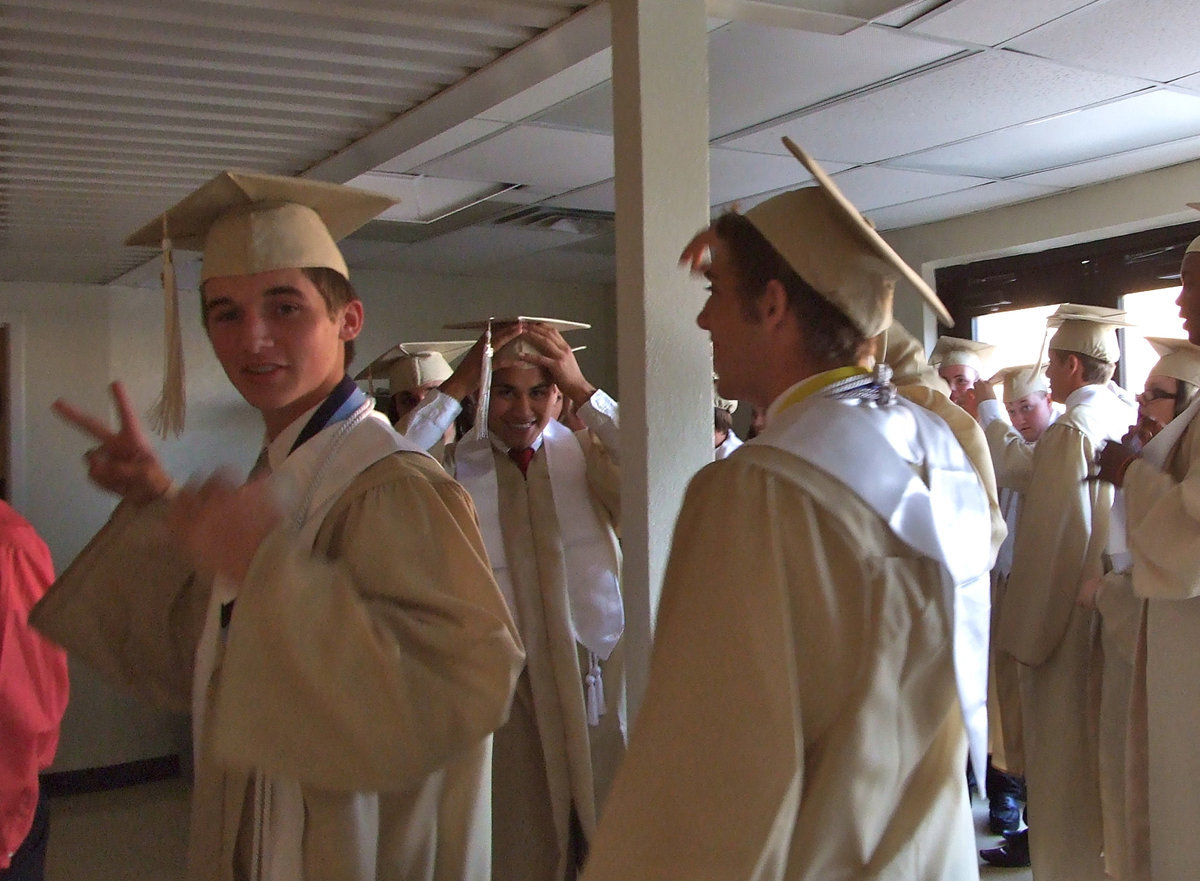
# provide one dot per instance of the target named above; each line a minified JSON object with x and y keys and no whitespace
{"x":1163,"y":510}
{"x":1013,"y":461}
{"x":371,"y":668}
{"x":801,"y":720}
{"x":549,"y":763}
{"x":1120,"y":618}
{"x":1059,"y":544}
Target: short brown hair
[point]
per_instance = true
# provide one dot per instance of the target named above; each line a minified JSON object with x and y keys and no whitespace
{"x":1093,"y":371}
{"x":337,"y":292}
{"x":830,"y":337}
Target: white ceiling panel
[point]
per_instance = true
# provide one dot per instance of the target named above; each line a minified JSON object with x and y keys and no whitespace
{"x":477,"y":246}
{"x":1115,"y":36}
{"x":589,"y":111}
{"x":1188,"y":82}
{"x":577,"y":78}
{"x":451,"y":139}
{"x":780,"y":62}
{"x":533,"y":155}
{"x":980,"y":198}
{"x":1111,"y":167}
{"x":989,"y":23}
{"x":961,"y":99}
{"x":597,"y":197}
{"x":735,"y":175}
{"x":871,"y":187}
{"x":1163,"y":116}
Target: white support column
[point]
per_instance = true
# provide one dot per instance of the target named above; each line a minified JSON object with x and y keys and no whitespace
{"x":660,"y":122}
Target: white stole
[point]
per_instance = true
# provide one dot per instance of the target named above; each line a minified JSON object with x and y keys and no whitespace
{"x":593,"y":586}
{"x":879,"y":452}
{"x":310,"y":480}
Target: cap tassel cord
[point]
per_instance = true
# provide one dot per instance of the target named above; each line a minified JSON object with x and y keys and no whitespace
{"x":167,"y":414}
{"x":480,"y":432}
{"x":594,"y":682}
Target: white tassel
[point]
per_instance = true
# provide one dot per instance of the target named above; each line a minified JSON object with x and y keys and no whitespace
{"x":594,"y":682}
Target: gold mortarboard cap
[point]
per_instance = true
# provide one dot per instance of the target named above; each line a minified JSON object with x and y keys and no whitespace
{"x":1021,"y":381}
{"x":410,"y":365}
{"x":1179,"y":359}
{"x":951,"y":350}
{"x":836,"y":250}
{"x":247,"y":223}
{"x":1087,"y":330}
{"x":514,"y":349}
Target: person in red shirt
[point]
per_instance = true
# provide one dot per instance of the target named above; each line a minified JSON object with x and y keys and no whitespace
{"x":33,"y":695}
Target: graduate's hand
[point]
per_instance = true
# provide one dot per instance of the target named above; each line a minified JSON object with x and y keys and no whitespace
{"x":221,"y":524}
{"x":969,"y":401}
{"x":467,"y":376}
{"x":984,"y":391}
{"x":697,"y":255}
{"x":1087,"y":593}
{"x":557,"y":359}
{"x":123,"y":462}
{"x":1111,"y":460}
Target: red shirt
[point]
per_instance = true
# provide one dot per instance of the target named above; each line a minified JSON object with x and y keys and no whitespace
{"x":33,"y":679}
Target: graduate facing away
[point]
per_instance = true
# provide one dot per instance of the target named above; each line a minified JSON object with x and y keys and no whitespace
{"x":343,"y":699}
{"x":802,"y":718}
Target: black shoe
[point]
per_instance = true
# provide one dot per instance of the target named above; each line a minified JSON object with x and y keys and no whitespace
{"x":1004,"y":814}
{"x":1013,"y":853}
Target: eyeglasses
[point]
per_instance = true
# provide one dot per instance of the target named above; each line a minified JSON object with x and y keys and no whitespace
{"x":1157,"y":394}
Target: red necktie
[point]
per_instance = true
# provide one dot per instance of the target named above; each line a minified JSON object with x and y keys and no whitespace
{"x":522,"y":457}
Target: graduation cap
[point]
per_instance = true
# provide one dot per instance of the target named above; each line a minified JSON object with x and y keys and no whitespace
{"x":247,"y":223}
{"x":1179,"y":359}
{"x":1087,"y":330}
{"x":837,"y":251}
{"x":509,"y":352}
{"x":1021,"y":381}
{"x":950,"y":351}
{"x":410,"y":365}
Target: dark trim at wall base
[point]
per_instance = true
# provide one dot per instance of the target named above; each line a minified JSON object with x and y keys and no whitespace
{"x":110,"y":776}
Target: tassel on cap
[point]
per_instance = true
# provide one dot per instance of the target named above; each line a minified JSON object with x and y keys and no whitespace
{"x":168,"y":413}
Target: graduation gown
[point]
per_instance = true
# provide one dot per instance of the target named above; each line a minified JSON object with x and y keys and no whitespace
{"x":551,"y":768}
{"x":801,"y":719}
{"x":368,"y":659}
{"x":1060,"y":541}
{"x":1163,"y":511}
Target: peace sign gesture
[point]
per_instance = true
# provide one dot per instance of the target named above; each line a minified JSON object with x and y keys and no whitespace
{"x":123,"y":462}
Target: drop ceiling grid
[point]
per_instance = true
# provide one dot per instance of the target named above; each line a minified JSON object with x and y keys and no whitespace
{"x":1113,"y":36}
{"x":989,"y":23}
{"x":962,"y":99}
{"x":1100,"y":131}
{"x":960,"y":202}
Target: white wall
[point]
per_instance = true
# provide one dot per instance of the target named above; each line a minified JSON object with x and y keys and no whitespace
{"x":73,"y":340}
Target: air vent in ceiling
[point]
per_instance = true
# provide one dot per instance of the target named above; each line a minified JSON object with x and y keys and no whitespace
{"x":568,"y":220}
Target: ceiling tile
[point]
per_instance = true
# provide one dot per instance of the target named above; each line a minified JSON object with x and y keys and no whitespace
{"x":781,"y":64}
{"x":928,"y":109}
{"x":1142,"y":38}
{"x":1142,"y":120}
{"x":439,"y":145}
{"x":598,"y":197}
{"x":988,"y":23}
{"x":735,"y":174}
{"x":980,"y":198}
{"x":1111,"y":167}
{"x":873,"y":187}
{"x":575,"y":79}
{"x":589,"y":111}
{"x":475,"y":246}
{"x":534,"y":155}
